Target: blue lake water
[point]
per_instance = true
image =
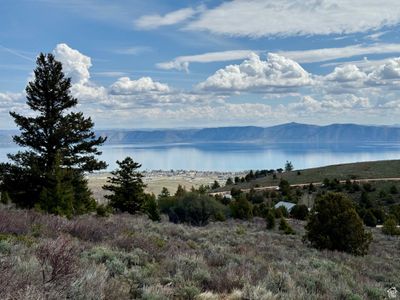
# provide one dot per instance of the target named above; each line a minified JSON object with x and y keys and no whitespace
{"x":239,"y":156}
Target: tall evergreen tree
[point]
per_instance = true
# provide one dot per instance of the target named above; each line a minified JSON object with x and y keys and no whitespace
{"x":127,"y":187}
{"x":60,"y":144}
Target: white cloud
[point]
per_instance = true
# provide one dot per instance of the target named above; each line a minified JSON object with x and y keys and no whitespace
{"x":126,"y":86}
{"x":135,"y":50}
{"x":11,"y":100}
{"x":326,"y":54}
{"x":349,"y":92}
{"x":182,"y":62}
{"x":388,"y":71}
{"x":258,"y":18}
{"x":89,"y":93}
{"x":75,"y":64}
{"x":329,"y":104}
{"x":254,"y":74}
{"x":110,"y":74}
{"x":346,"y":73}
{"x":155,"y":21}
{"x":385,"y":73}
{"x":376,"y":36}
{"x":300,"y":56}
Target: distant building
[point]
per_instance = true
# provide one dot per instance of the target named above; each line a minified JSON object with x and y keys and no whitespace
{"x":228,"y":196}
{"x":287,"y":205}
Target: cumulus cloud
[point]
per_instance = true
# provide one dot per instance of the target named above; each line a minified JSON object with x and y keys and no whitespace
{"x":258,"y":18}
{"x":126,"y":86}
{"x":346,"y":73}
{"x":125,"y":92}
{"x":390,"y":70}
{"x":155,"y":21}
{"x":75,"y":64}
{"x":182,"y":62}
{"x":349,"y":91}
{"x":344,"y":78}
{"x":254,"y":74}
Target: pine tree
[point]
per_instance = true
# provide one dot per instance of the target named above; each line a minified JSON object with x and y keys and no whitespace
{"x":127,"y":187}
{"x":151,"y":207}
{"x":215,"y":185}
{"x":53,"y":130}
{"x":270,"y":220}
{"x":180,"y":192}
{"x":229,"y":181}
{"x":57,"y":195}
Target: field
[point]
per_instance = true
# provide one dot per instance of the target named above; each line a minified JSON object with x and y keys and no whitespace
{"x":357,"y":171}
{"x":156,"y":180}
{"x":131,"y":257}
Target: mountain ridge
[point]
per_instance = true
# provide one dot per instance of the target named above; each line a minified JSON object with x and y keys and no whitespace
{"x":282,"y":133}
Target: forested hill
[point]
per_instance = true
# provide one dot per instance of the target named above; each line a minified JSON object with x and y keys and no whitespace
{"x":291,"y":132}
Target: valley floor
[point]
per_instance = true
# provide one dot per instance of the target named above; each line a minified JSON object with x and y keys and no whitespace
{"x":156,"y":180}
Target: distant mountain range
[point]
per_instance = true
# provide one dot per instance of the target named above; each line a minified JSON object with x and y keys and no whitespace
{"x":285,"y":133}
{"x":291,"y":132}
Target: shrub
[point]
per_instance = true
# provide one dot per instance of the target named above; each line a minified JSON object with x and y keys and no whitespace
{"x":165,"y":201}
{"x":58,"y":260}
{"x":5,"y":198}
{"x":281,"y":211}
{"x":195,"y":209}
{"x":284,"y":187}
{"x":299,"y":211}
{"x":393,"y":190}
{"x":89,"y":229}
{"x":241,"y":208}
{"x":103,"y":210}
{"x":335,"y":225}
{"x":285,"y":227}
{"x":236,"y":192}
{"x":270,"y":220}
{"x":368,"y":187}
{"x":370,"y":219}
{"x":390,"y":227}
{"x":395,"y":211}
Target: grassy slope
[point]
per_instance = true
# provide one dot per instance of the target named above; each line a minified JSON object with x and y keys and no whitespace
{"x":361,"y":170}
{"x":126,"y":257}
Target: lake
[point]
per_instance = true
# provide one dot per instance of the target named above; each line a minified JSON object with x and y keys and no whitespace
{"x":240,"y":156}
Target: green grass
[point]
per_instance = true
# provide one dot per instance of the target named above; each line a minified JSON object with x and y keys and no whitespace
{"x":362,"y":170}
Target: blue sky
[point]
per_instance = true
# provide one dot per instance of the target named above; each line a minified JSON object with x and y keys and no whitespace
{"x":157,"y":64}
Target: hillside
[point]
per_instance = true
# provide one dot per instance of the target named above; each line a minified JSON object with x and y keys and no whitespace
{"x":361,"y":170}
{"x":125,"y":257}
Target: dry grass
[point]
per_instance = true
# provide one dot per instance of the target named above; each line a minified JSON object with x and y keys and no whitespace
{"x":130,"y":257}
{"x":154,"y":183}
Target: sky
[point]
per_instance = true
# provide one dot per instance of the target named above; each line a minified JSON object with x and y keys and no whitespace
{"x":179,"y":64}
